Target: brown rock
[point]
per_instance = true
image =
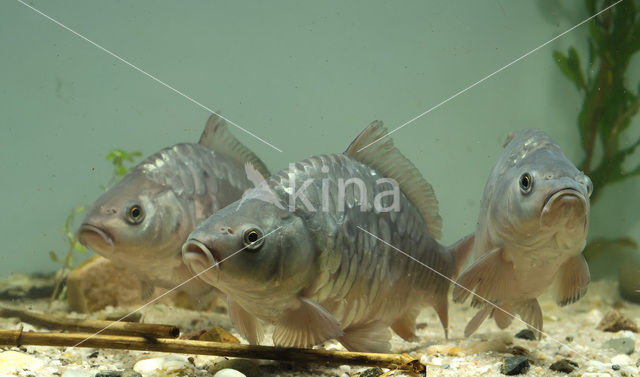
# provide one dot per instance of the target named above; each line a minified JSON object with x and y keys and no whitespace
{"x":97,"y":283}
{"x":218,"y":334}
{"x":615,"y":321}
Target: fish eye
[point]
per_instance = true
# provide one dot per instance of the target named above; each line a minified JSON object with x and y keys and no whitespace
{"x":253,"y":239}
{"x":135,"y":214}
{"x":526,"y":183}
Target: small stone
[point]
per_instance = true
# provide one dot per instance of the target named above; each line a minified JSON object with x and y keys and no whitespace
{"x":228,"y":372}
{"x":526,"y":334}
{"x":621,"y":359}
{"x":620,"y":345}
{"x":131,"y":373}
{"x":373,"y":372}
{"x":109,"y":373}
{"x":515,"y":365}
{"x":615,"y":321}
{"x":12,"y":360}
{"x":564,"y":366}
{"x":175,"y":364}
{"x":218,"y":334}
{"x":77,"y":373}
{"x":615,"y":367}
{"x":245,"y":366}
{"x":93,"y":355}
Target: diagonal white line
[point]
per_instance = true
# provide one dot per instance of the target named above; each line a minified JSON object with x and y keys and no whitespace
{"x":489,"y":76}
{"x":147,"y":74}
{"x":466,"y":289}
{"x":171,"y":290}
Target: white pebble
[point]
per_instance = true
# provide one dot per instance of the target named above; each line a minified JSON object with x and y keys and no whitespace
{"x":170,"y":363}
{"x":621,"y":359}
{"x":12,"y":360}
{"x":345,"y":368}
{"x":228,"y":372}
{"x":78,"y":373}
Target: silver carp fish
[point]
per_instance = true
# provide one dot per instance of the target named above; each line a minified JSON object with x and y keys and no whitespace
{"x":530,"y":234}
{"x":307,"y":263}
{"x":141,"y":222}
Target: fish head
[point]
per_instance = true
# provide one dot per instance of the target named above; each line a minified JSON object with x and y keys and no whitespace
{"x":136,"y":222}
{"x":539,"y":195}
{"x":251,"y":247}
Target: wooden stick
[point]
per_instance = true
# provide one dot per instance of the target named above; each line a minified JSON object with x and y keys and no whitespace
{"x":91,"y":325}
{"x":392,"y":361}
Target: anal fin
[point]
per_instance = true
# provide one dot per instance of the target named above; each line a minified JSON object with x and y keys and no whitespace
{"x":572,"y":280}
{"x":245,"y":323}
{"x":308,"y":325}
{"x":477,"y":320}
{"x":405,"y":326}
{"x":371,"y":337}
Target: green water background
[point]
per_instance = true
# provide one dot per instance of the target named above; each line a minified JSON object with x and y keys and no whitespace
{"x":307,"y":76}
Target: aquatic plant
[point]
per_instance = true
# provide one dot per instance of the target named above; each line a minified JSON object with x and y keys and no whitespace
{"x":119,"y":159}
{"x":609,"y":102}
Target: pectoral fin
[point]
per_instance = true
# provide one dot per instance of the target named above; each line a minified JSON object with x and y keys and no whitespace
{"x":146,"y":290}
{"x":245,"y":323}
{"x":489,"y":278}
{"x":306,"y":326}
{"x":372,"y":337}
{"x":572,"y":280}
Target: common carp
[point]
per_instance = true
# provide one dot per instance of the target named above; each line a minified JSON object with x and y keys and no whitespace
{"x":141,"y":222}
{"x":310,"y":265}
{"x":531,"y":231}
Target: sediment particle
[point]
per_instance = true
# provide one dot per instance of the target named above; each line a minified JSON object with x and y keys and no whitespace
{"x":564,"y":366}
{"x":515,"y":365}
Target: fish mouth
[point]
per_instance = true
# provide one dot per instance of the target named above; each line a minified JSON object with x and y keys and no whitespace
{"x":199,"y":257}
{"x":567,"y":203}
{"x":95,"y":237}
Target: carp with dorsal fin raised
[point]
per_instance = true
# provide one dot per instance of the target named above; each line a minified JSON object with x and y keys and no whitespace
{"x":308,"y":264}
{"x":141,"y":222}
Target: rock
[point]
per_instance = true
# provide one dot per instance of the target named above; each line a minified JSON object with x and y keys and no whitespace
{"x":77,"y":373}
{"x":621,"y":359}
{"x":22,"y":286}
{"x":218,"y":334}
{"x":170,"y":365}
{"x":373,"y":372}
{"x":440,"y":349}
{"x":620,"y":345}
{"x":629,"y":280}
{"x":564,"y":366}
{"x":93,"y":355}
{"x":512,"y":366}
{"x":110,"y":373}
{"x":615,"y":367}
{"x":97,"y":282}
{"x":526,"y":334}
{"x":228,"y":372}
{"x":12,"y":360}
{"x":615,"y":321}
{"x":245,"y":366}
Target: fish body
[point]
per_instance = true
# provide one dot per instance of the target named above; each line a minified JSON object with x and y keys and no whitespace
{"x":142,"y":221}
{"x":305,"y":266}
{"x":531,"y":231}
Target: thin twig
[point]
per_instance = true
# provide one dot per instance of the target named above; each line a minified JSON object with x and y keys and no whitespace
{"x":90,"y":325}
{"x":393,"y":361}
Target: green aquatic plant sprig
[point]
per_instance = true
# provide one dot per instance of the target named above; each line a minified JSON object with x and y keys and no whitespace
{"x":119,"y":159}
{"x":610,"y":101}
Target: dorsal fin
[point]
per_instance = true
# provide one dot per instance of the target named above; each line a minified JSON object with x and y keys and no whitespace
{"x":388,"y":160}
{"x":217,"y":137}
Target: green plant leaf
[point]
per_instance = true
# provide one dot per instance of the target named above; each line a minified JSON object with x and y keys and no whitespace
{"x":567,"y":69}
{"x":574,"y":65}
{"x":79,"y":247}
{"x":53,"y":256}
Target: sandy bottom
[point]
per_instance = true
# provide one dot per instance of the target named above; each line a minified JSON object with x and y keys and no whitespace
{"x":571,"y":333}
